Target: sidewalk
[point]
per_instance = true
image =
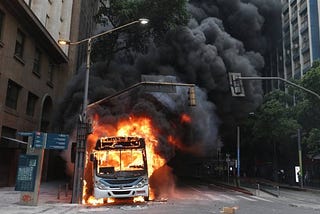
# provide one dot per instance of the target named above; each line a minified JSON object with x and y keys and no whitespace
{"x":48,"y":200}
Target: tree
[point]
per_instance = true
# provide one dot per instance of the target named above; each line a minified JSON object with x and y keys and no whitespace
{"x":308,"y":111}
{"x":163,"y":15}
{"x":312,"y":141}
{"x":274,"y":125}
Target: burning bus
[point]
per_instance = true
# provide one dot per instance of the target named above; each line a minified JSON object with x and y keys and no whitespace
{"x":120,"y":168}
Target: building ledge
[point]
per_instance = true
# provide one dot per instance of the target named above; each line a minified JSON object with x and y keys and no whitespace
{"x":38,"y":32}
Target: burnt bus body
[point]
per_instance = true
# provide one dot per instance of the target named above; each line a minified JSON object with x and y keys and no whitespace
{"x":120,"y":168}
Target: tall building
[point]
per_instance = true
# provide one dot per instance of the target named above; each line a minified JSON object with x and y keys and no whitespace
{"x":301,"y":38}
{"x":34,"y":70}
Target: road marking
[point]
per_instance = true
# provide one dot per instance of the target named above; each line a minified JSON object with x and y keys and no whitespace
{"x":195,"y":189}
{"x":213,"y":198}
{"x":227,"y":197}
{"x":262,"y":199}
{"x":249,"y":199}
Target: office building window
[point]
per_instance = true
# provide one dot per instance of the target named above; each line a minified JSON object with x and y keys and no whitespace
{"x":36,"y":62}
{"x":18,"y":51}
{"x":13,"y":91}
{"x":31,"y":104}
{"x":8,"y":132}
{"x":50,"y":73}
{"x":1,"y":23}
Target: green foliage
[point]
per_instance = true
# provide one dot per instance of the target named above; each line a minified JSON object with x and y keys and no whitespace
{"x":312,"y":141}
{"x":163,"y":15}
{"x":274,"y":122}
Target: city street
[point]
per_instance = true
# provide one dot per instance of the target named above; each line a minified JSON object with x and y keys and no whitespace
{"x":196,"y":198}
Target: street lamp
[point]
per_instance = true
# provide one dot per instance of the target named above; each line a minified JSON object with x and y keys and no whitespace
{"x":82,"y":129}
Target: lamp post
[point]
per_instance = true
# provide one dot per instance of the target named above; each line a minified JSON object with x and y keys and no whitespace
{"x":82,"y":129}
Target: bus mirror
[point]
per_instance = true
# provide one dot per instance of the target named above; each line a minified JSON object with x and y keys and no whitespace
{"x":92,"y":157}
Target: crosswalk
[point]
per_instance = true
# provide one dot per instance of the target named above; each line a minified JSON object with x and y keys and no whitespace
{"x":221,"y":196}
{"x":224,"y":197}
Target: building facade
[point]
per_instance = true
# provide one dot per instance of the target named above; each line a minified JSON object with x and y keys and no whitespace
{"x":301,"y":38}
{"x":34,"y":70}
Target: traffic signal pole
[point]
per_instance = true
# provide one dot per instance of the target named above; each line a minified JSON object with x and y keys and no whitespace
{"x":237,"y":90}
{"x":280,"y":79}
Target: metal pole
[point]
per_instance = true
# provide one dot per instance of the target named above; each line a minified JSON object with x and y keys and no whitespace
{"x":238,"y":154}
{"x":281,"y":79}
{"x":300,"y":158}
{"x":81,"y":138}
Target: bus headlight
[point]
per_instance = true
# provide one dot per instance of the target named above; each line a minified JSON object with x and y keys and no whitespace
{"x":101,"y":185}
{"x":143,"y":182}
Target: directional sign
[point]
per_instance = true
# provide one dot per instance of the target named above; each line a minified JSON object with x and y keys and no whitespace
{"x":57,"y":141}
{"x":38,"y":140}
{"x":25,"y":134}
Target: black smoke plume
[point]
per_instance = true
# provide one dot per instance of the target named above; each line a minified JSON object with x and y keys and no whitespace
{"x":222,"y":36}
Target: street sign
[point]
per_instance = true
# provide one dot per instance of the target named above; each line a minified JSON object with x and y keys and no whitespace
{"x":25,"y":134}
{"x":38,"y":140}
{"x":236,"y":85}
{"x":57,"y":141}
{"x":162,"y":86}
{"x":27,"y":172}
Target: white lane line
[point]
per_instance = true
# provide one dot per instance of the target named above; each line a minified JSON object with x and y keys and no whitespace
{"x":228,"y":197}
{"x":195,"y":189}
{"x":262,"y":199}
{"x":249,"y":199}
{"x":213,"y":198}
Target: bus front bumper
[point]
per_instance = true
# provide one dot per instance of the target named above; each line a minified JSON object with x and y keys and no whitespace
{"x":121,"y":193}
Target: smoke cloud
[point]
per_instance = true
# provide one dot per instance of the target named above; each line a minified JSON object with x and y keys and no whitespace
{"x":222,"y":36}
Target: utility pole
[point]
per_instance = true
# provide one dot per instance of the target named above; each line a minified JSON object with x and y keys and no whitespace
{"x":300,"y":158}
{"x":238,"y":155}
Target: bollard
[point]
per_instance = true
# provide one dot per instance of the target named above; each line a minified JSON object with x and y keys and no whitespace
{"x":59,"y":190}
{"x":66,"y":190}
{"x":258,"y":189}
{"x":278,"y":190}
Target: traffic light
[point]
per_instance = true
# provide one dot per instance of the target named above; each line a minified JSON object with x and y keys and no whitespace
{"x":236,"y":85}
{"x":192,"y":96}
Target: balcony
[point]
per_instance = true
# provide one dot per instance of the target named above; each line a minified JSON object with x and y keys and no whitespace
{"x":294,"y":17}
{"x":295,"y":36}
{"x":304,"y":27}
{"x":288,"y":63}
{"x":285,"y":27}
{"x":285,"y":8}
{"x":297,"y":73}
{"x":293,"y":2}
{"x":295,"y":56}
{"x":303,"y":8}
{"x":306,"y":67}
{"x":305,"y":48}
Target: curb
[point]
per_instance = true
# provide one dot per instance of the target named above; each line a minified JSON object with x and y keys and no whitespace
{"x":238,"y":189}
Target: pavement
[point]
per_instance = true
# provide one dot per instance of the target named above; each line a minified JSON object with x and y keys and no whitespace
{"x":50,"y":200}
{"x":53,"y":201}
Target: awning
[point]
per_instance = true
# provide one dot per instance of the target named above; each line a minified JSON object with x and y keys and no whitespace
{"x":8,"y":142}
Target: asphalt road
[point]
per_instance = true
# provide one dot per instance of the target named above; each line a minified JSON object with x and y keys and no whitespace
{"x":187,"y":198}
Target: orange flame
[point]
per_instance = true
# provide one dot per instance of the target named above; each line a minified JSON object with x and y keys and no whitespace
{"x":133,"y":126}
{"x":185,"y":118}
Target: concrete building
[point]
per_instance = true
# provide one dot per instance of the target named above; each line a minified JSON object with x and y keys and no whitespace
{"x":33,"y":71}
{"x":301,"y":38}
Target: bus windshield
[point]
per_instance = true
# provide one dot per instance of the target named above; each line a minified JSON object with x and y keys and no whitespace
{"x":112,"y":161}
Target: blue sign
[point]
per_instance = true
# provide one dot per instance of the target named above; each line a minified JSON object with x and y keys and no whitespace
{"x":25,"y":134}
{"x":57,"y":141}
{"x":38,"y":139}
{"x":27,"y":172}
